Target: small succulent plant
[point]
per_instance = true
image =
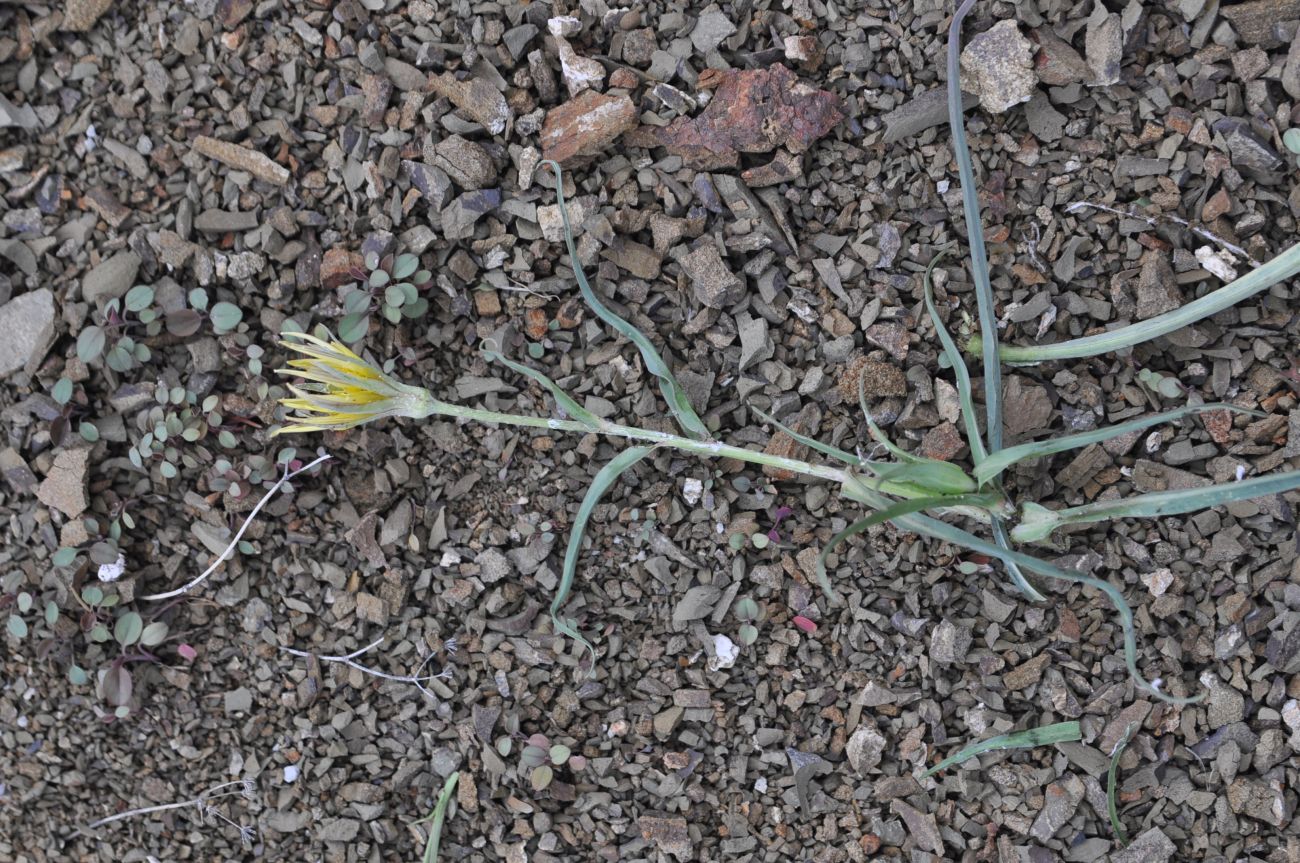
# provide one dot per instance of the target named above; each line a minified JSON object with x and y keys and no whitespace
{"x":390,"y":285}
{"x":539,"y":759}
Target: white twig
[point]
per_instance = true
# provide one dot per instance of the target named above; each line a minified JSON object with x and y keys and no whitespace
{"x":230,"y":549}
{"x":347,"y":659}
{"x":1178,"y":220}
{"x":245,"y":789}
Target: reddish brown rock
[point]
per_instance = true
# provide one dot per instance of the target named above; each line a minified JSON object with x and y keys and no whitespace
{"x":475,"y":97}
{"x":585,"y":126}
{"x":753,"y":111}
{"x":336,"y":267}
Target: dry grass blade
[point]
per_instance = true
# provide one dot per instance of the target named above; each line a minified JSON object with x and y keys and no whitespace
{"x":1061,"y":732}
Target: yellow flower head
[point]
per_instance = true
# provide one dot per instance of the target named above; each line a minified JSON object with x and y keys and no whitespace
{"x":342,"y":390}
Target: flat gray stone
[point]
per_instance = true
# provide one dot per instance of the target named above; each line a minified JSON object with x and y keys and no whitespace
{"x":112,"y":278}
{"x":223,"y":221}
{"x":27,"y":322}
{"x":1152,"y":846}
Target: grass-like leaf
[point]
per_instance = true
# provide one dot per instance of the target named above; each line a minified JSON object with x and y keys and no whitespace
{"x":1030,"y":738}
{"x":1038,"y":522}
{"x":437,"y":816}
{"x":678,"y":403}
{"x":979,"y":260}
{"x":608,"y":475}
{"x":1281,"y":268}
{"x":890,"y":513}
{"x":1111,"y":808}
{"x":965,"y":391}
{"x":855,"y":489}
{"x":996,"y":463}
{"x":566,"y":402}
{"x":931,"y":475}
{"x":823,"y":448}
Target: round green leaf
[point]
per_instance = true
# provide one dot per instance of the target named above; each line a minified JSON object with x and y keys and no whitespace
{"x":747,"y":609}
{"x":1291,"y":139}
{"x":748,"y":634}
{"x":372,"y":260}
{"x":154,"y":634}
{"x":51,"y":614}
{"x":17,"y":626}
{"x":356,"y":302}
{"x":142,"y":353}
{"x":226,"y":439}
{"x":541,"y":777}
{"x":1169,"y":388}
{"x":62,"y":391}
{"x":128,"y":629}
{"x":118,"y":359}
{"x":225,"y":316}
{"x":393,"y":314}
{"x":138,"y":298}
{"x":415,"y":309}
{"x":394,"y":296}
{"x":532,"y":756}
{"x":92,"y":595}
{"x":88,"y":431}
{"x":353,"y":327}
{"x":504,"y":745}
{"x":560,"y":753}
{"x":379,"y":278}
{"x":405,"y":265}
{"x":168,"y":470}
{"x":198,"y":299}
{"x":99,"y":633}
{"x":77,"y":676}
{"x":90,"y":344}
{"x":24,"y":602}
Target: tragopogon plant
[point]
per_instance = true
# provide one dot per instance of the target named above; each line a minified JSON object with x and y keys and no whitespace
{"x":339,"y":389}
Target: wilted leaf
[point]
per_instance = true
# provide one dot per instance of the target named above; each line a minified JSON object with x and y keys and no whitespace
{"x":117,"y":686}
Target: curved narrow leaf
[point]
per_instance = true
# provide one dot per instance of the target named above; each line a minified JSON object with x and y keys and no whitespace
{"x":1044,"y":735}
{"x":890,"y":513}
{"x":1281,"y":268}
{"x":437,"y":816}
{"x":824,"y":448}
{"x":1111,"y":809}
{"x":565,"y":401}
{"x":936,"y":477}
{"x":1003,"y":459}
{"x":877,"y":432}
{"x":965,"y":391}
{"x":678,"y":403}
{"x":608,"y":475}
{"x":855,"y":489}
{"x":999,"y":529}
{"x":975,"y":235}
{"x":1038,"y":522}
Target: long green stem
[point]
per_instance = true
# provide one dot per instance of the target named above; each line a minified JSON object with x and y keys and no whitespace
{"x":983,"y":287}
{"x":707,"y":449}
{"x":1283,"y":267}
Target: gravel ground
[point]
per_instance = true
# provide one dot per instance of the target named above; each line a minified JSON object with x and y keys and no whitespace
{"x":759,"y":186}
